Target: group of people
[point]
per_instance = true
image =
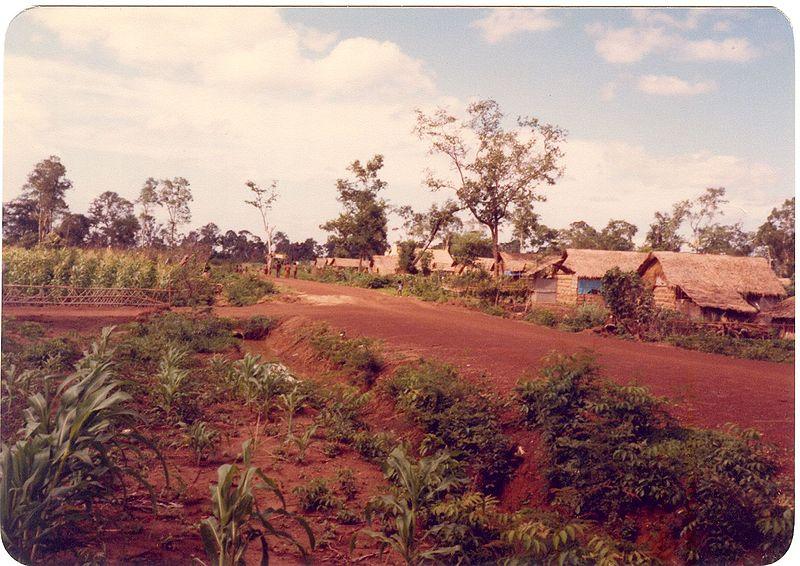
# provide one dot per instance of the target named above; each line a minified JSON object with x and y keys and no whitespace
{"x":289,"y":268}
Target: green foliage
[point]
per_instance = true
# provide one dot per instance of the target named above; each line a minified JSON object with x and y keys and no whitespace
{"x":76,"y":448}
{"x":584,"y":317}
{"x":614,"y":450}
{"x":542,"y":317}
{"x":292,"y":402}
{"x":417,"y":486}
{"x":772,"y":350}
{"x":457,"y":417}
{"x":316,"y":495}
{"x":144,"y":342}
{"x":346,"y":480}
{"x":630,"y":302}
{"x":171,"y":378}
{"x":303,"y":441}
{"x":359,"y":356}
{"x":260,"y":382}
{"x":238,"y":519}
{"x":246,"y":289}
{"x":201,"y":438}
{"x":258,"y":327}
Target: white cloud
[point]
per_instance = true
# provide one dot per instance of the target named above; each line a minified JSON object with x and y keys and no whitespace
{"x":634,"y":43}
{"x":501,"y":23}
{"x":737,"y":49}
{"x":608,"y":91}
{"x":669,"y":17}
{"x":666,"y":85}
{"x":723,"y":26}
{"x":614,"y":179}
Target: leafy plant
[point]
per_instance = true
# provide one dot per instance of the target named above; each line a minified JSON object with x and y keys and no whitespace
{"x":237,"y":517}
{"x":292,"y":402}
{"x":258,"y":327}
{"x":418,"y":486}
{"x":630,"y":302}
{"x":614,"y":450}
{"x":584,"y":317}
{"x":76,"y":448}
{"x":316,"y":496}
{"x":357,"y":355}
{"x":303,"y":441}
{"x":347,"y":483}
{"x":201,"y":439}
{"x":458,"y":417}
{"x":243,"y":289}
{"x":542,"y":317}
{"x":171,"y":378}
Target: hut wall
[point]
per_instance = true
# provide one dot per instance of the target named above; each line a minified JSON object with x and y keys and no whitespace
{"x":664,"y":297}
{"x":566,"y":288}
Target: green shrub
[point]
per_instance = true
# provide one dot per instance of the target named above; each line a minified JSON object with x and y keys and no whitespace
{"x":55,"y":355}
{"x":773,"y":350}
{"x":243,"y":289}
{"x":457,"y":417}
{"x":614,"y":451}
{"x":316,"y":495}
{"x":584,"y":317}
{"x":258,"y":327}
{"x":356,"y":355}
{"x":542,"y":317}
{"x":197,"y":333}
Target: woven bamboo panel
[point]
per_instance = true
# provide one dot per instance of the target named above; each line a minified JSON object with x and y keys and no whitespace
{"x":57,"y":295}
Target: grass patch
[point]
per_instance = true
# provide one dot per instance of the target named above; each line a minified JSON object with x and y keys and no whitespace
{"x":772,"y":350}
{"x":242,"y":289}
{"x":258,"y":327}
{"x":457,"y":417}
{"x":584,"y":317}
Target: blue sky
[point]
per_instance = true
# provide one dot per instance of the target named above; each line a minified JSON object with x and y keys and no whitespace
{"x":658,"y":103}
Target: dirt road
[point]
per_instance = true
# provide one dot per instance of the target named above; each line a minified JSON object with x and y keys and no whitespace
{"x":707,"y":389}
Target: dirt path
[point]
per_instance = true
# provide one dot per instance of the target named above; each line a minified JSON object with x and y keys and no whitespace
{"x":707,"y":389}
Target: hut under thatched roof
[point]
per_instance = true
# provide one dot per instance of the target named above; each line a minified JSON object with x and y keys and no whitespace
{"x":712,"y":287}
{"x":385,"y":264}
{"x":578,"y":275}
{"x":348,"y":263}
{"x":439,"y":260}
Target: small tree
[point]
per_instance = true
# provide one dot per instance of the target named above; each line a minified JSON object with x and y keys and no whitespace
{"x":148,"y":200}
{"x":426,"y":226}
{"x":175,"y":195}
{"x":113,"y":221}
{"x":776,"y":238}
{"x":497,"y":170}
{"x":663,"y":233}
{"x":361,"y":230}
{"x":46,"y":186}
{"x":262,"y":201}
{"x":628,"y":299}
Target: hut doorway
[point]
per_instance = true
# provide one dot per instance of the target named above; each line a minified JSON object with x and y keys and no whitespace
{"x":544,"y":291}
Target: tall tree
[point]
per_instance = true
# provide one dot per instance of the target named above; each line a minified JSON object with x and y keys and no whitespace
{"x":618,"y":235}
{"x":148,"y":200}
{"x":21,"y":222}
{"x":360,"y":231}
{"x":725,"y":239}
{"x":497,"y":170}
{"x":581,"y":235}
{"x":776,"y":238}
{"x":47,"y":185}
{"x":113,"y":221}
{"x":425,"y":227}
{"x":174,"y":195}
{"x":263,"y":200}
{"x":469,"y":245}
{"x":663,"y":234}
{"x":702,"y":213}
{"x":74,"y":229}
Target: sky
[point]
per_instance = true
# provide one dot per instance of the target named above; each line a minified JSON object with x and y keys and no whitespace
{"x":658,"y":104}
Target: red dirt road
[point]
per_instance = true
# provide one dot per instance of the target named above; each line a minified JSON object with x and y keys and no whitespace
{"x":706,"y":389}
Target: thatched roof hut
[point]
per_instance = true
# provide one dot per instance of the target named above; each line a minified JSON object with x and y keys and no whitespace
{"x":348,"y":263}
{"x":440,"y":260}
{"x":385,"y":264}
{"x":712,"y":286}
{"x":783,"y":311}
{"x":593,"y":264}
{"x":321,"y":262}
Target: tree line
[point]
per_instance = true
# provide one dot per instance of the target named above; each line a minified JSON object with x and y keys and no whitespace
{"x":496,"y":177}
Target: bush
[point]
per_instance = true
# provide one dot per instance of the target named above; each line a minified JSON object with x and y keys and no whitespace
{"x":55,"y":355}
{"x":258,"y":327}
{"x":246,"y":289}
{"x":772,"y":350}
{"x":357,"y":355}
{"x":458,"y":418}
{"x":630,"y":302}
{"x":584,"y":317}
{"x":145,"y":341}
{"x":316,"y":496}
{"x":427,"y":288}
{"x":614,"y":451}
{"x":542,"y":317}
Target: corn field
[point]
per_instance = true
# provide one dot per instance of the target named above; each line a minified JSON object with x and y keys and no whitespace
{"x":88,"y":268}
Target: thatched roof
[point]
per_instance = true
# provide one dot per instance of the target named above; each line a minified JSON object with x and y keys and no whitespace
{"x":441,"y":260}
{"x":321,"y":262}
{"x":783,"y":310}
{"x":347,"y":262}
{"x":718,"y":281}
{"x":593,"y":264}
{"x":527,"y":263}
{"x":385,"y":264}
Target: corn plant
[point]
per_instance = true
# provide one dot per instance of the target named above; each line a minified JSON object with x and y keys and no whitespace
{"x":303,"y":441}
{"x":16,"y":383}
{"x":170,"y":378}
{"x":419,"y":485}
{"x":292,"y":402}
{"x":76,"y":448}
{"x":237,"y":518}
{"x":201,"y":439}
